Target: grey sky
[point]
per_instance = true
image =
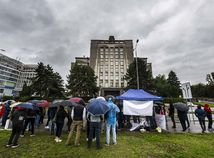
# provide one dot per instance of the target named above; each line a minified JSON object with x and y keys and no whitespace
{"x":174,"y":35}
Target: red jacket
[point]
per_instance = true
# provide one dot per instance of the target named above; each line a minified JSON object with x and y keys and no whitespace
{"x":207,"y":108}
{"x":2,"y":110}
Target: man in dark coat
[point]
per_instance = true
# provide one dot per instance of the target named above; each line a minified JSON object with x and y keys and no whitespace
{"x":201,"y":114}
{"x":17,"y":118}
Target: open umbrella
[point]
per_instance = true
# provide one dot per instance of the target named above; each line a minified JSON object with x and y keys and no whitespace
{"x":63,"y":103}
{"x":97,"y":107}
{"x":43,"y":103}
{"x":78,"y":100}
{"x":181,"y":106}
{"x":27,"y":105}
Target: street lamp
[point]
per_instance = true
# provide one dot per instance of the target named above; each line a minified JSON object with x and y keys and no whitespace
{"x":136,"y":63}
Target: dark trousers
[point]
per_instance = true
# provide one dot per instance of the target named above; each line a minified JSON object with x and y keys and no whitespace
{"x":32,"y":122}
{"x":173,"y":120}
{"x":202,"y":123}
{"x":16,"y":131}
{"x":182,"y":119}
{"x":4,"y":119}
{"x":95,"y":126}
{"x":48,"y":121}
{"x":59,"y":126}
{"x":69,"y":123}
{"x":88,"y":130}
{"x":210,"y":120}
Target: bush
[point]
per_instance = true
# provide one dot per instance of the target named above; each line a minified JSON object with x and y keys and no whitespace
{"x":173,"y":100}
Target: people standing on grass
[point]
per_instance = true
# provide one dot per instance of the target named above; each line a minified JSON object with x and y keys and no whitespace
{"x":171,"y":114}
{"x":17,"y":118}
{"x":6,"y":112}
{"x":78,"y":115}
{"x":201,"y":114}
{"x":60,"y":117}
{"x":208,"y":111}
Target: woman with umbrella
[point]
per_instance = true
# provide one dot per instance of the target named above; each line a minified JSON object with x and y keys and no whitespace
{"x":17,"y":118}
{"x":60,"y":117}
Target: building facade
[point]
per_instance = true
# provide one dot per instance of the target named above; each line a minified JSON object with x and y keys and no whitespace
{"x":12,"y":75}
{"x":110,"y":60}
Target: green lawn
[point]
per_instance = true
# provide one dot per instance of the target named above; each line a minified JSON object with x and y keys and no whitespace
{"x":148,"y":145}
{"x":202,"y":103}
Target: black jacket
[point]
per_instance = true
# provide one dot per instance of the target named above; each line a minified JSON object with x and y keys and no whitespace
{"x":60,"y":115}
{"x":18,"y":117}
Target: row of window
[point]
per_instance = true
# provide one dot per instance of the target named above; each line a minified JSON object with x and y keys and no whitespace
{"x":8,"y":70}
{"x":8,"y":74}
{"x":111,"y":49}
{"x":106,"y":84}
{"x":111,"y":56}
{"x":8,"y":78}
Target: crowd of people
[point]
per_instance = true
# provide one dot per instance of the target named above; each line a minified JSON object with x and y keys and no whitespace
{"x":79,"y":118}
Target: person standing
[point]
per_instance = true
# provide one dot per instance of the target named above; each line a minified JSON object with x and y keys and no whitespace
{"x":6,"y":112}
{"x":201,"y":114}
{"x":171,"y":114}
{"x":182,"y":118}
{"x":78,"y":115}
{"x":17,"y":118}
{"x":111,"y":120}
{"x":95,"y":125}
{"x":60,"y":117}
{"x":31,"y":115}
{"x":208,"y":111}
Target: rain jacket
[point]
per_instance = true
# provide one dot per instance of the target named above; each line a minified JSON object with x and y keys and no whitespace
{"x":111,"y":116}
{"x":200,"y":113}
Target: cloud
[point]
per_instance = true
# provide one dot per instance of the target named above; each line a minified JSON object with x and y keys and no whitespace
{"x":174,"y":35}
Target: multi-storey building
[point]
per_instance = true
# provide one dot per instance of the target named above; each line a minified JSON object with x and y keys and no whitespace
{"x":13,"y":75}
{"x":110,"y":60}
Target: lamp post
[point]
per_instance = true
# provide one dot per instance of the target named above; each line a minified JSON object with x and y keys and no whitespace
{"x":136,"y":63}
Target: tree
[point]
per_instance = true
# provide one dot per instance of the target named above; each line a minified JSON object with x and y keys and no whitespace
{"x":81,"y":81}
{"x":161,"y":86}
{"x":145,"y":75}
{"x":26,"y":91}
{"x":173,"y":81}
{"x":47,"y":83}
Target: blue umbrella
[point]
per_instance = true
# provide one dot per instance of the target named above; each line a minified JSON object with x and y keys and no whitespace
{"x":98,"y":107}
{"x":27,"y":106}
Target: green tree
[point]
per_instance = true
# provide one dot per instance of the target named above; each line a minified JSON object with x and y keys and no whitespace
{"x":173,"y":81}
{"x":26,"y":91}
{"x":145,"y":75}
{"x":161,"y":86}
{"x":81,"y":81}
{"x":47,"y":83}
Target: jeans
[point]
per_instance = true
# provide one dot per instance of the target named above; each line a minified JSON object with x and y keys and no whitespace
{"x":202,"y":123}
{"x":108,"y":129}
{"x":16,"y":131}
{"x":97,"y":127}
{"x":78,"y":126}
{"x":210,"y":121}
{"x":59,"y":127}
{"x":29,"y":120}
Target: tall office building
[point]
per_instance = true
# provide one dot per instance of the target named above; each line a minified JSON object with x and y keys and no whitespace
{"x":12,"y":75}
{"x":110,"y":60}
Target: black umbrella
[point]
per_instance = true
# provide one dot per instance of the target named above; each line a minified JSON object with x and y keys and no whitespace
{"x":64,"y":103}
{"x":110,"y":96}
{"x":181,"y":106}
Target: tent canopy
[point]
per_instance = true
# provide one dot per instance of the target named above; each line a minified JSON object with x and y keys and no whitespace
{"x":138,"y":94}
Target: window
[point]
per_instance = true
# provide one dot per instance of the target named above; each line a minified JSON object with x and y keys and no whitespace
{"x":112,"y":83}
{"x":117,"y":84}
{"x":106,"y":56}
{"x":111,"y":56}
{"x":112,"y":63}
{"x":106,"y":77}
{"x":121,"y":63}
{"x":101,"y":56}
{"x":121,"y":56}
{"x":116,"y":63}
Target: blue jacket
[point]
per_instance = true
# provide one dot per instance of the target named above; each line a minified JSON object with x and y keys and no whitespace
{"x":112,"y":113}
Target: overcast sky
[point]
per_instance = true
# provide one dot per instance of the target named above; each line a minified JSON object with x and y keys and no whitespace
{"x":174,"y":35}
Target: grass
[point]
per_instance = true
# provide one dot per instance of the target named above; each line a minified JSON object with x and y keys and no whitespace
{"x":202,"y":104}
{"x":130,"y":144}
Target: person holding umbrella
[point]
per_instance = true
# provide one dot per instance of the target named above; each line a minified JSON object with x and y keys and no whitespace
{"x":96,"y":110}
{"x":111,"y":119}
{"x":60,"y":117}
{"x":182,"y":110}
{"x":17,"y":117}
{"x":78,"y":115}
